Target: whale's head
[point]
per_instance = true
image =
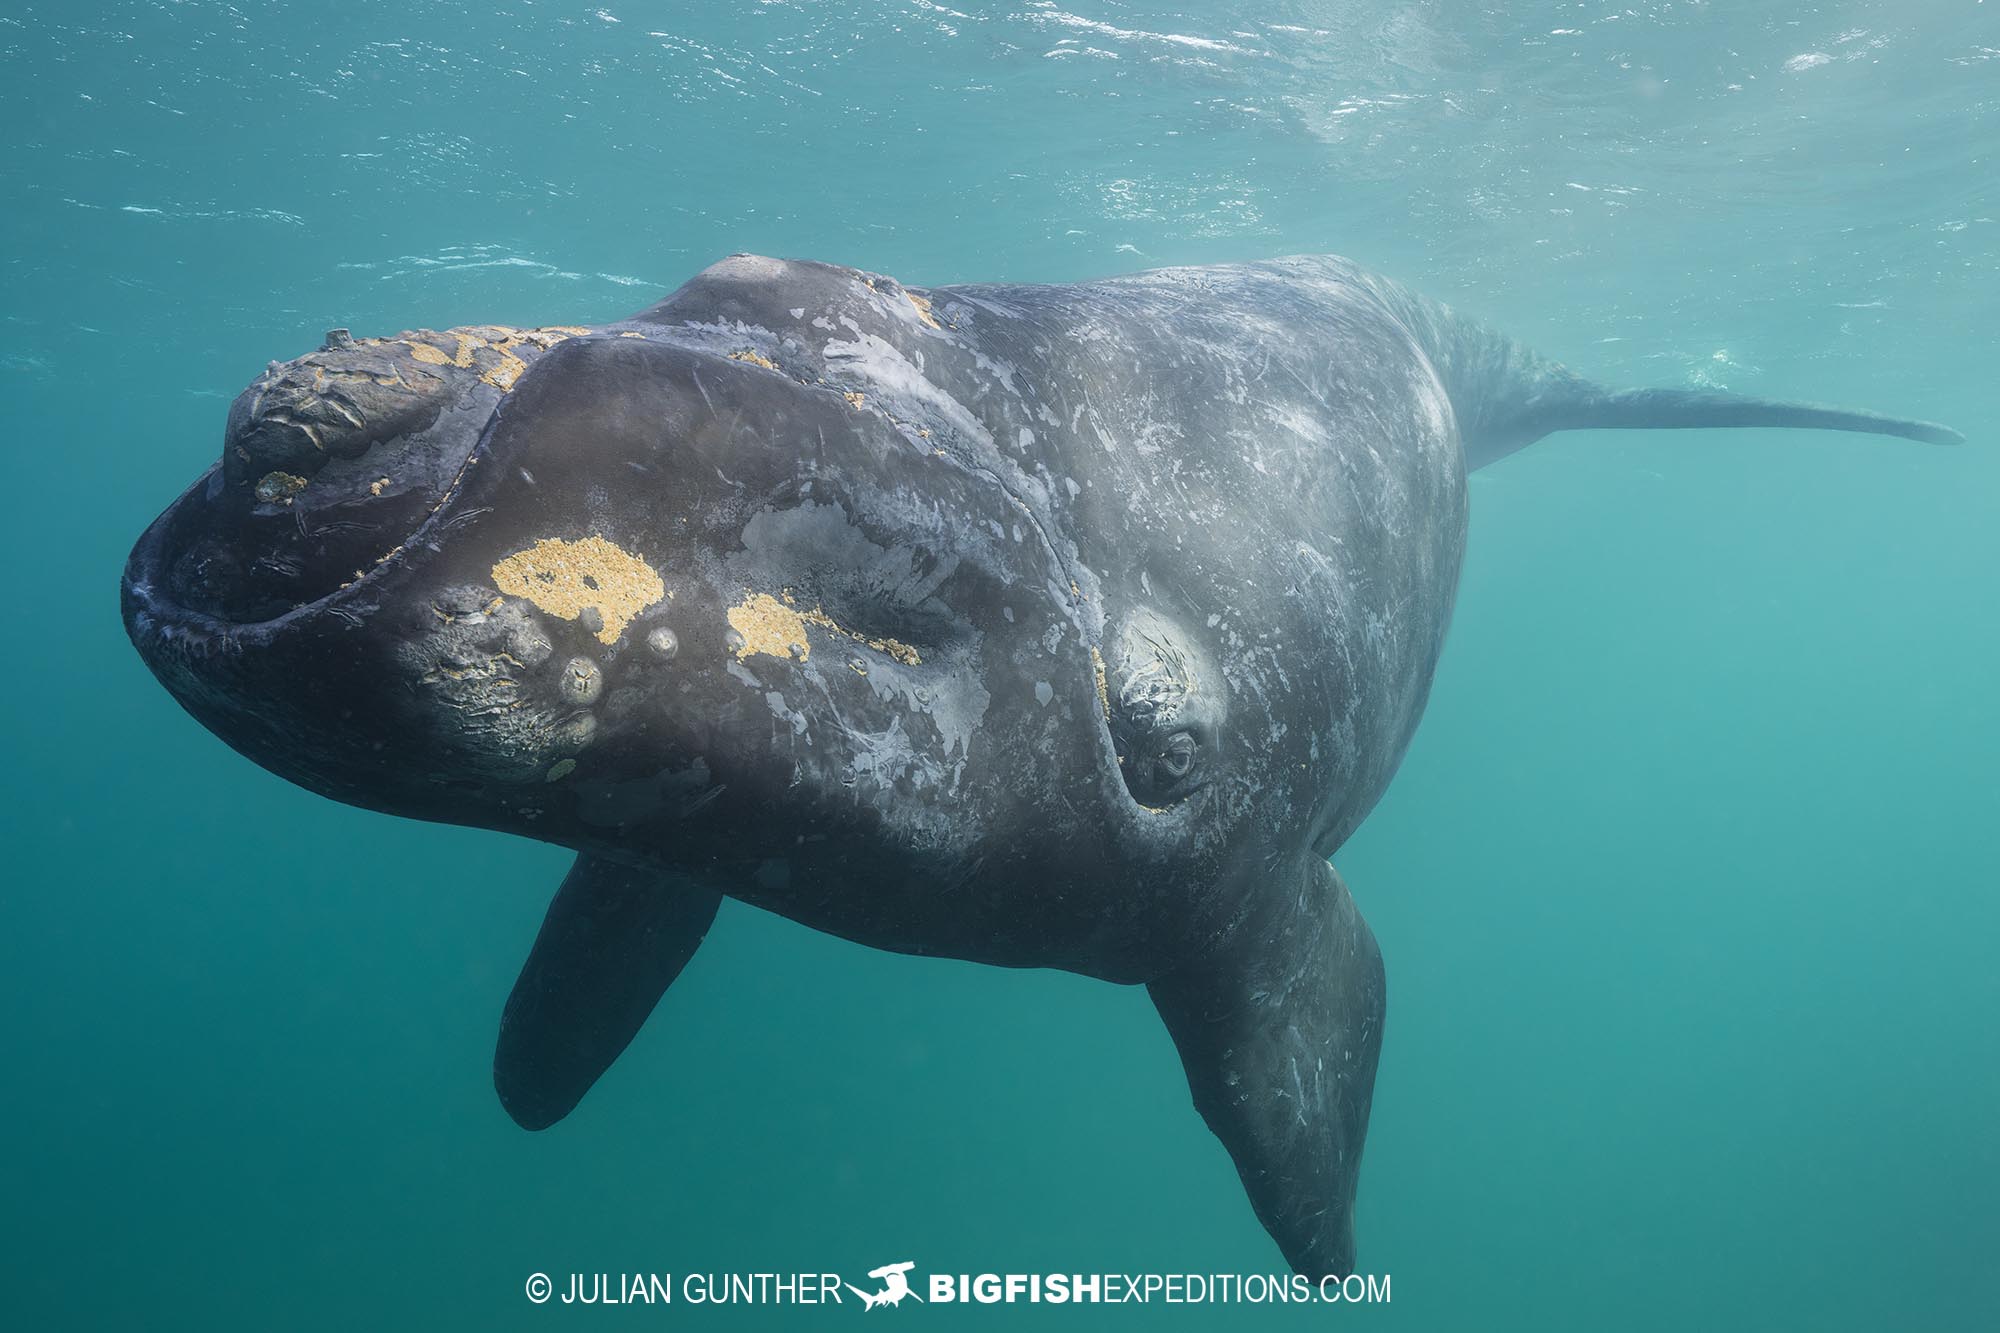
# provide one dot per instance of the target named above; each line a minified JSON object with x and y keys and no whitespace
{"x":624,"y":594}
{"x":264,"y":597}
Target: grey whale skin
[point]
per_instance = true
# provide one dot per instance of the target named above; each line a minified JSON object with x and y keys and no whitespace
{"x":1045,"y":626}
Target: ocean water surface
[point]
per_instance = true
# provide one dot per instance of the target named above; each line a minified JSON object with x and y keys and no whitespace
{"x":1686,"y":889}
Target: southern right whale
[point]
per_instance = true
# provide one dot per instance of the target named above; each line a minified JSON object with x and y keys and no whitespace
{"x":1045,"y":626}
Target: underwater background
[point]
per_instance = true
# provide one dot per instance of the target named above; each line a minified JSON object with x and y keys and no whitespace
{"x":1687,"y":889}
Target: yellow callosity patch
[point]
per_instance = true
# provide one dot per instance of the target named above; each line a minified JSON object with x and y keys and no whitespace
{"x":427,"y":354}
{"x":923,"y":310}
{"x":766,"y":625}
{"x":755,"y":359}
{"x":895,"y":648}
{"x":279,"y":487}
{"x":502,"y":376}
{"x":502,"y":365}
{"x":777,"y":629}
{"x":1103,"y":689}
{"x":565,"y":578}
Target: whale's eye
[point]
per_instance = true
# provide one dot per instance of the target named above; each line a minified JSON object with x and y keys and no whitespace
{"x":1159,"y":769}
{"x":1163,"y":703}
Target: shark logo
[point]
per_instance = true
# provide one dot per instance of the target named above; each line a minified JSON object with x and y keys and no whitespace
{"x":895,"y":1285}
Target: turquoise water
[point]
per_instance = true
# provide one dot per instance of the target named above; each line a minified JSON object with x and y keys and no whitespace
{"x":1686,"y":889}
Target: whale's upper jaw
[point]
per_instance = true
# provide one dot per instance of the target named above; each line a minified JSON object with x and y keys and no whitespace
{"x":329,"y":463}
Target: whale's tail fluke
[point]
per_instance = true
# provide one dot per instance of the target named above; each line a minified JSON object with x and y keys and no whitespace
{"x":1506,"y":397}
{"x":1560,"y":401}
{"x":1655,"y":409}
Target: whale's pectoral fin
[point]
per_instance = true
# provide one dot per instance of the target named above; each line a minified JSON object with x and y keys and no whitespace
{"x":614,"y":940}
{"x":1279,"y":1026}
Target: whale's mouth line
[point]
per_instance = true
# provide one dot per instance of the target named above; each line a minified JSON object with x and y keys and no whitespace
{"x":150,"y":587}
